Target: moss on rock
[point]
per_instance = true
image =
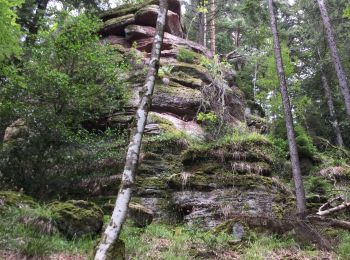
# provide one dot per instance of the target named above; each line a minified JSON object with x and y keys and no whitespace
{"x":76,"y":218}
{"x":193,"y":70}
{"x":15,"y":199}
{"x":140,"y":215}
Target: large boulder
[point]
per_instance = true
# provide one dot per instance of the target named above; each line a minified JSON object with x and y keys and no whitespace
{"x":76,"y":218}
{"x":246,"y":196}
{"x":181,"y":101}
{"x":140,"y":215}
{"x":174,"y":6}
{"x":17,"y":129}
{"x":147,"y":16}
{"x":143,"y":36}
{"x":116,"y":26}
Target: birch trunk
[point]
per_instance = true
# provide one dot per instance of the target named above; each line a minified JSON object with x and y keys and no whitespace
{"x":344,"y":88}
{"x":212,"y":26}
{"x":112,"y":232}
{"x":298,"y":182}
{"x":331,"y":108}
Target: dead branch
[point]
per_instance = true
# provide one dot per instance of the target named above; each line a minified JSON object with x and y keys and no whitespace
{"x":335,"y":223}
{"x":328,"y":204}
{"x":334,"y":209}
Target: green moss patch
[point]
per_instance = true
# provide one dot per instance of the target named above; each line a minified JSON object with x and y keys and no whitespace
{"x":77,"y":218}
{"x":15,"y":199}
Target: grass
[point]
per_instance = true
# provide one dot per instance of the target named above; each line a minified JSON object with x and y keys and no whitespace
{"x":264,"y":246}
{"x":21,"y":238}
{"x":343,"y":248}
{"x":245,"y":138}
{"x":158,"y":241}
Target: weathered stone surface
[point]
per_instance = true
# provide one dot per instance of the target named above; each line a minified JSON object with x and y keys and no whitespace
{"x":336,"y":173}
{"x":191,"y":70}
{"x":174,"y":6}
{"x":186,"y":80}
{"x":143,"y":36}
{"x":117,"y":40}
{"x":238,"y":231}
{"x":116,"y":26}
{"x":176,"y":99}
{"x":76,"y":218}
{"x":264,"y":198}
{"x":189,"y":127}
{"x":140,"y":215}
{"x":147,"y":16}
{"x":17,"y":129}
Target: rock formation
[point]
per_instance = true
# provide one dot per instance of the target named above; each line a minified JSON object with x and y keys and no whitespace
{"x":211,"y":184}
{"x":206,"y":184}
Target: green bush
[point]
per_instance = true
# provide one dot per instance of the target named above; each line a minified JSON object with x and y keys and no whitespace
{"x":318,"y":185}
{"x":69,"y":79}
{"x":306,"y":148}
{"x":185,"y":55}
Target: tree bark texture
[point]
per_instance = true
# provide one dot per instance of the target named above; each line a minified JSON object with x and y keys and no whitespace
{"x":298,"y":182}
{"x":343,"y":84}
{"x":212,"y":26}
{"x":202,"y":25}
{"x":331,"y":108}
{"x":112,"y":232}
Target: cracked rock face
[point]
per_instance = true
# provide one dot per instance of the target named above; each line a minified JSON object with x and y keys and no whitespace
{"x":177,"y":182}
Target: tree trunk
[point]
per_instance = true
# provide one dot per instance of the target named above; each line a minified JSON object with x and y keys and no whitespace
{"x":254,"y":80}
{"x":299,"y":186}
{"x":204,"y":30}
{"x":112,"y":232}
{"x":328,"y":94}
{"x":212,"y":26}
{"x":344,"y":88}
{"x":202,"y":24}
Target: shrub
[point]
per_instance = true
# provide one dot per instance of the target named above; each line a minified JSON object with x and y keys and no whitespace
{"x":69,"y":79}
{"x":318,"y":185}
{"x":185,"y":55}
{"x":306,"y":148}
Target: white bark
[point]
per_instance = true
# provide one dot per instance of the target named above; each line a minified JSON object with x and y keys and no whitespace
{"x":112,"y":232}
{"x":335,"y":209}
{"x":255,"y":79}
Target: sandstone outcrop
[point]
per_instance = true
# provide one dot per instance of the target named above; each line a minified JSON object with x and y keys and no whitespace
{"x":17,"y":129}
{"x":182,"y":176}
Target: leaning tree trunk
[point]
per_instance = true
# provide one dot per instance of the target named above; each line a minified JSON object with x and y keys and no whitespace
{"x":331,"y":108}
{"x":112,"y":232}
{"x":212,"y":26}
{"x":299,"y":186}
{"x":344,"y":88}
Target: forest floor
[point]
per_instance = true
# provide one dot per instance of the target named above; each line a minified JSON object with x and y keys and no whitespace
{"x":159,"y":241}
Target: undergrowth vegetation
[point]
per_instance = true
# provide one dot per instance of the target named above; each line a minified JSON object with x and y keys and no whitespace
{"x":17,"y":236}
